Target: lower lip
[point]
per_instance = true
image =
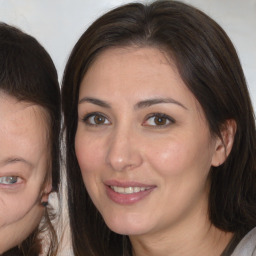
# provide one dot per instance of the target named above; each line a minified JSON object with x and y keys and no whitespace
{"x":127,"y":199}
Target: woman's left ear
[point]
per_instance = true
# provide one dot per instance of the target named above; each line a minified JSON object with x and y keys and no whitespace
{"x":223,"y":145}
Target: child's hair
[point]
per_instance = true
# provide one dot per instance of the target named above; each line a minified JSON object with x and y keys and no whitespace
{"x":27,"y":73}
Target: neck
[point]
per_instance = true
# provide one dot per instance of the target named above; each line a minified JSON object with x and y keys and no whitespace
{"x":195,"y":236}
{"x":213,"y":244}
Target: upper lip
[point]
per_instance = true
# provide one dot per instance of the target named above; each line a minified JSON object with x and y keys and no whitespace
{"x":126,"y":184}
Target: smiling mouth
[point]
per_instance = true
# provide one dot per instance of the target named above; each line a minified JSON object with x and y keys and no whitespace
{"x":128,"y":190}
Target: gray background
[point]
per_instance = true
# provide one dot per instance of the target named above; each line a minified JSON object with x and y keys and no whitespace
{"x":57,"y":24}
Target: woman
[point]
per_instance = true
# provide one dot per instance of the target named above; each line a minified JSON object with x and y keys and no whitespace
{"x":29,"y":149}
{"x":160,"y":136}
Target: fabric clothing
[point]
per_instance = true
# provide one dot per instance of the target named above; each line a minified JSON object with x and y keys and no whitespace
{"x":233,"y":244}
{"x":247,"y":246}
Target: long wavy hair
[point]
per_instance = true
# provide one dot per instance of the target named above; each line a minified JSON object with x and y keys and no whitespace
{"x":210,"y":68}
{"x":28,"y":74}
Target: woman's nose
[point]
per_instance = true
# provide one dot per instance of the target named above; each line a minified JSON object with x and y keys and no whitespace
{"x":124,"y":151}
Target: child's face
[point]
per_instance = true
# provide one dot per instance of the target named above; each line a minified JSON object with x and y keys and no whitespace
{"x":24,"y":161}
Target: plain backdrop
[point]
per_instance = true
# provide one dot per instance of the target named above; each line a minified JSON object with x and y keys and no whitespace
{"x":57,"y":24}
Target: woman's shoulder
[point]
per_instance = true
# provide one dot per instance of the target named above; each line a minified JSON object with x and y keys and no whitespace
{"x":247,"y":246}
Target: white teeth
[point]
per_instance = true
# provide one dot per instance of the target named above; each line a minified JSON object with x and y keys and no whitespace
{"x":128,"y":190}
{"x":136,"y":190}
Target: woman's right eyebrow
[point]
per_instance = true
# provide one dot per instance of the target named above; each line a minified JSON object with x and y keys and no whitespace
{"x":98,"y":102}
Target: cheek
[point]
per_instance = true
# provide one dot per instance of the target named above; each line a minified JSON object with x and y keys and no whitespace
{"x":89,"y":152}
{"x":167,"y":157}
{"x":91,"y":159}
{"x":15,"y":232}
{"x":180,"y":156}
{"x":89,"y":156}
{"x":15,"y":206}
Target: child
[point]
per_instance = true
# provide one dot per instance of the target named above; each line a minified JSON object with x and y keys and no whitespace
{"x":29,"y":148}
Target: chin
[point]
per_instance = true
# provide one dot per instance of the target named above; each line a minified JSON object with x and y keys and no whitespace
{"x":129,"y":231}
{"x":128,"y":226}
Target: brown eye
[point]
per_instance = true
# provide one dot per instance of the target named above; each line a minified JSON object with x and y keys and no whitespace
{"x":96,"y":119}
{"x":99,"y":119}
{"x":158,"y":120}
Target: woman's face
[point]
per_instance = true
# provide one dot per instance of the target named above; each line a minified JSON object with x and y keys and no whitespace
{"x":142,"y":143}
{"x":23,"y":166}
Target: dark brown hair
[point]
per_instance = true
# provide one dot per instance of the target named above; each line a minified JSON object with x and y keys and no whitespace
{"x":210,"y":68}
{"x":28,"y":74}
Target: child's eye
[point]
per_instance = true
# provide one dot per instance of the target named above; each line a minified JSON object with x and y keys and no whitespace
{"x":96,"y":119}
{"x":158,"y":119}
{"x":8,"y":180}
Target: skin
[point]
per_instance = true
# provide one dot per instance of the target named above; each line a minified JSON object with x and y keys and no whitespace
{"x":23,"y":154}
{"x":124,"y":140}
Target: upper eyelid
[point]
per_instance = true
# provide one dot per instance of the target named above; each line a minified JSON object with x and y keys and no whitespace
{"x":94,"y":113}
{"x":13,"y":172}
{"x":160,"y":115}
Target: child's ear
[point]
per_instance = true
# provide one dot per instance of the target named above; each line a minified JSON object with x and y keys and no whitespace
{"x":223,"y":145}
{"x":47,"y":189}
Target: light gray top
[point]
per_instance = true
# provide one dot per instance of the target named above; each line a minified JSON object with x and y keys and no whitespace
{"x":247,"y":246}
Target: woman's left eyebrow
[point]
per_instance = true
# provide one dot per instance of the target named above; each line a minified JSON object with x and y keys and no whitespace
{"x":150,"y":102}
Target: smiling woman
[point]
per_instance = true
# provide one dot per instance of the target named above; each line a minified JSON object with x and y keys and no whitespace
{"x":160,"y":137}
{"x":29,"y":148}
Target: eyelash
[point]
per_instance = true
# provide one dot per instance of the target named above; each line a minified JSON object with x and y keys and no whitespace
{"x":161,"y":116}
